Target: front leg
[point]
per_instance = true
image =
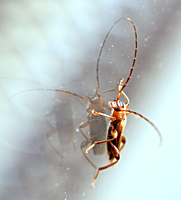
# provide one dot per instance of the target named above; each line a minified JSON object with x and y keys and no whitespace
{"x":103,"y":115}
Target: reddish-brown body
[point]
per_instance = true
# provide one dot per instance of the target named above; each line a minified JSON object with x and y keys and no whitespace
{"x":119,"y":127}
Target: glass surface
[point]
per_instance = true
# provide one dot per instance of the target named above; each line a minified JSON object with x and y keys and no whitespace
{"x":56,"y":44}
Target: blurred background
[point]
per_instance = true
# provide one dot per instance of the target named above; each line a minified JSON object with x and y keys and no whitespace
{"x":55,"y":44}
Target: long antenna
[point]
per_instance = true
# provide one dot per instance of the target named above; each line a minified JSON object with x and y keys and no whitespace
{"x":98,"y":60}
{"x":152,"y":124}
{"x":134,"y":59}
{"x":51,"y":89}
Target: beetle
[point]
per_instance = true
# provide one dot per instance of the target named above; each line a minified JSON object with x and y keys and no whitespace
{"x":97,"y":124}
{"x":115,"y":139}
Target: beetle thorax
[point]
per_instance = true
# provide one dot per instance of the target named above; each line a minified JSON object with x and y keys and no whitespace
{"x":118,"y":108}
{"x":96,"y":103}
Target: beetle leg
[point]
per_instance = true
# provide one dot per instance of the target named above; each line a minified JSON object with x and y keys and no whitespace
{"x":116,"y":154}
{"x":98,"y":142}
{"x":83,"y":145}
{"x":104,"y":115}
{"x":124,"y":142}
{"x":114,"y":134}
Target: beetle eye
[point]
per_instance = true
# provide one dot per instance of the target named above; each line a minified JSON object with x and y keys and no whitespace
{"x":121,"y":104}
{"x":117,"y":109}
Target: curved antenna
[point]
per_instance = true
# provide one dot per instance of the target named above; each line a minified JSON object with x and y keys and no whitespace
{"x":98,"y":60}
{"x":134,"y":59}
{"x":51,"y":89}
{"x":110,"y":90}
{"x":152,"y":124}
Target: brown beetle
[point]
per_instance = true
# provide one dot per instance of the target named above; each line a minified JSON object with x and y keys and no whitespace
{"x":115,"y":138}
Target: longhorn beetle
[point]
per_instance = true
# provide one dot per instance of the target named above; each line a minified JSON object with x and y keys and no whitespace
{"x":97,"y":124}
{"x":115,"y":139}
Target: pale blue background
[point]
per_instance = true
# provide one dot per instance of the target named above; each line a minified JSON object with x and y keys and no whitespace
{"x":55,"y":42}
